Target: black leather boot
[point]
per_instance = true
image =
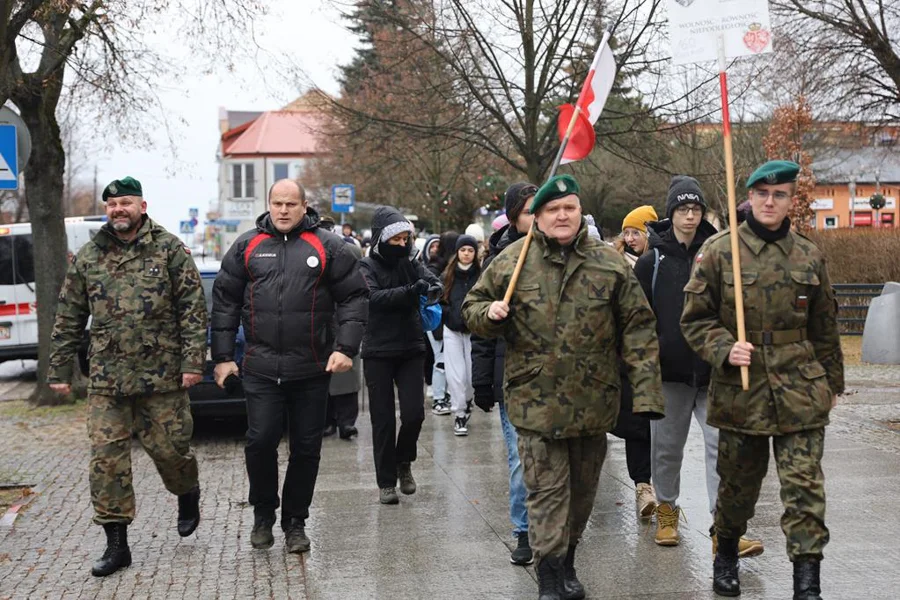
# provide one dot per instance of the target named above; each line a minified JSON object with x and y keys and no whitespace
{"x":572,"y":588}
{"x":550,"y":572}
{"x":806,"y":579}
{"x":117,"y":554}
{"x":725,"y":568}
{"x":295,"y":539}
{"x":189,"y":511}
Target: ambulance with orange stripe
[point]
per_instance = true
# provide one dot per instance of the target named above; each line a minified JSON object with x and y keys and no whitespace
{"x":18,"y":308}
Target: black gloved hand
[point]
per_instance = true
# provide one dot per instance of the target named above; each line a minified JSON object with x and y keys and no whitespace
{"x":434,"y":294}
{"x":484,"y":397}
{"x":421,"y":287}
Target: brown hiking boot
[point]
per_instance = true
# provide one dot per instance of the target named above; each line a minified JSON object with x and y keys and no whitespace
{"x":667,"y":524}
{"x":747,"y":548}
{"x":645,"y":497}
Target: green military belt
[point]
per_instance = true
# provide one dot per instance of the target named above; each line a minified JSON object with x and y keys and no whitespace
{"x":775,"y":338}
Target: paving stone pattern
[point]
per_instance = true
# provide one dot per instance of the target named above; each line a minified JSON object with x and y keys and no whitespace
{"x":450,"y":540}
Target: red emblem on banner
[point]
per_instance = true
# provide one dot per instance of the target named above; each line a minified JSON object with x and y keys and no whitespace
{"x":757,"y":38}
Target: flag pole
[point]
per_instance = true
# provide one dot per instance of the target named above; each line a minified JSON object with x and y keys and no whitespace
{"x":556,"y":162}
{"x":521,"y":261}
{"x":732,"y":210}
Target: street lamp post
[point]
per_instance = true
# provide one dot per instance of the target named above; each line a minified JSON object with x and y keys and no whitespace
{"x":852,"y":187}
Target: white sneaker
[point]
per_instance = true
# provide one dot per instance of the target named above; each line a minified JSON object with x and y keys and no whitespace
{"x":441,"y":407}
{"x":460,"y":427}
{"x":429,"y":392}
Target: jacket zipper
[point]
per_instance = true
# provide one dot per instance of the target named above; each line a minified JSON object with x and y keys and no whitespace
{"x":280,"y":311}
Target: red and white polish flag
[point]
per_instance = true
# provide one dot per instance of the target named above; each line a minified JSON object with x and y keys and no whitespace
{"x":592,"y":99}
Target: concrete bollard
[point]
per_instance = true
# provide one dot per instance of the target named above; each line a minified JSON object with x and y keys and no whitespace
{"x":881,"y":336}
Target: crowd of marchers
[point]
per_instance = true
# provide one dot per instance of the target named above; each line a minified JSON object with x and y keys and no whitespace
{"x":637,"y":337}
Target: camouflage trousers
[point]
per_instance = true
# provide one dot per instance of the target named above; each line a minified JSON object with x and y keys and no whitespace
{"x":561,"y":477}
{"x":743,"y":462}
{"x":164,"y":426}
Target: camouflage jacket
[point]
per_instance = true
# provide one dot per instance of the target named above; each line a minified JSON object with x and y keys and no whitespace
{"x":786,"y":292}
{"x":572,"y":317}
{"x":149,"y":314}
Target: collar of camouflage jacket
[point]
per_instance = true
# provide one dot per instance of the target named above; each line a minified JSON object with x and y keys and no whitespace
{"x":552,"y":249}
{"x":756,"y":243}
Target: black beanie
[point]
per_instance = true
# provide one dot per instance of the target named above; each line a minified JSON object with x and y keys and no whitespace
{"x":684,"y":190}
{"x":515,"y":197}
{"x":466,"y":240}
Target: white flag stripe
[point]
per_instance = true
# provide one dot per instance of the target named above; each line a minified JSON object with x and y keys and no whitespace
{"x":602,"y":81}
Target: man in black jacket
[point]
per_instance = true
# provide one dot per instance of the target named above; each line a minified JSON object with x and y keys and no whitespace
{"x":663,"y":271}
{"x":286,"y":281}
{"x":488,"y":356}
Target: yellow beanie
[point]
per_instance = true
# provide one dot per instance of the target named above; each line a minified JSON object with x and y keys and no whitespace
{"x":638,"y":217}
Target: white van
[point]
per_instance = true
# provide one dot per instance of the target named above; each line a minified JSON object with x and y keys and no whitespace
{"x":18,"y":311}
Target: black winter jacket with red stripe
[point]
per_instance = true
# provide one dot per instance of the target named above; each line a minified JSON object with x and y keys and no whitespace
{"x":288,"y":291}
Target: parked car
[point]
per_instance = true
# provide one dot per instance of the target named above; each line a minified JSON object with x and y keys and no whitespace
{"x":207,"y":398}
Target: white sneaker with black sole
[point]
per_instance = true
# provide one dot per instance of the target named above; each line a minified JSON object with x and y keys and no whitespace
{"x":460,"y":427}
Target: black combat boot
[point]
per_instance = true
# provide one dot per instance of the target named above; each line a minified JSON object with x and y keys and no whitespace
{"x":295,"y":539}
{"x":725,"y":568}
{"x":806,"y":579}
{"x":117,"y":554}
{"x":572,"y":588}
{"x":189,"y":511}
{"x":550,"y":572}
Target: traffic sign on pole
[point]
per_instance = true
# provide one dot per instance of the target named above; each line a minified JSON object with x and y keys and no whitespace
{"x":194,"y":212}
{"x":186,"y":227}
{"x":343,"y":197}
{"x":9,"y":161}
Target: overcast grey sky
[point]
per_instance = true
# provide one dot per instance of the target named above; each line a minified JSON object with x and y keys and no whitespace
{"x":310,"y":32}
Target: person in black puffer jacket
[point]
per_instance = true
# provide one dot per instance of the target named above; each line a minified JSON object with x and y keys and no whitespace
{"x":663,"y":271}
{"x":286,"y":281}
{"x":459,"y":277}
{"x":393,"y":348}
{"x":488,"y":357}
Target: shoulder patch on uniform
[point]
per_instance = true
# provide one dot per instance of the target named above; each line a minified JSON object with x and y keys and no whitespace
{"x":186,"y":249}
{"x":697,"y":260}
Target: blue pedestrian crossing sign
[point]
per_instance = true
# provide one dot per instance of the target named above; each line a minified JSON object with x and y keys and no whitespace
{"x":343,"y":196}
{"x":9,"y":159}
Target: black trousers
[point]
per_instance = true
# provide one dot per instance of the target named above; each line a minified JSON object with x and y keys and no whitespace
{"x":343,"y":409}
{"x":304,"y":402}
{"x":391,"y":447}
{"x":635,"y":431}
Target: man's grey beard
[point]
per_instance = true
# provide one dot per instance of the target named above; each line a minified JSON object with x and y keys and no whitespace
{"x":124,"y":227}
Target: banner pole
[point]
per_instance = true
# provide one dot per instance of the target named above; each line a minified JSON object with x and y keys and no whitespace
{"x":732,"y":210}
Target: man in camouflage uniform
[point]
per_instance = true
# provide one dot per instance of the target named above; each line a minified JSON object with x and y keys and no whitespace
{"x":576,"y":308}
{"x":148,"y":344}
{"x":796,"y":369}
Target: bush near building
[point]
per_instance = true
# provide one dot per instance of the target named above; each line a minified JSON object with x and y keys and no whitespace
{"x":860,"y":255}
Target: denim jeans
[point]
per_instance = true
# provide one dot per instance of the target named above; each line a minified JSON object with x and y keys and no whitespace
{"x":518,"y":514}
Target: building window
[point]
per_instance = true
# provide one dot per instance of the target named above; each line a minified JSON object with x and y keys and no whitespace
{"x":831,"y":222}
{"x":280,"y":171}
{"x":243,"y":183}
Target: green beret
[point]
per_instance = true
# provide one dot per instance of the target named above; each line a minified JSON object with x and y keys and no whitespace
{"x":774,"y":172}
{"x":556,"y":187}
{"x":127,"y":186}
